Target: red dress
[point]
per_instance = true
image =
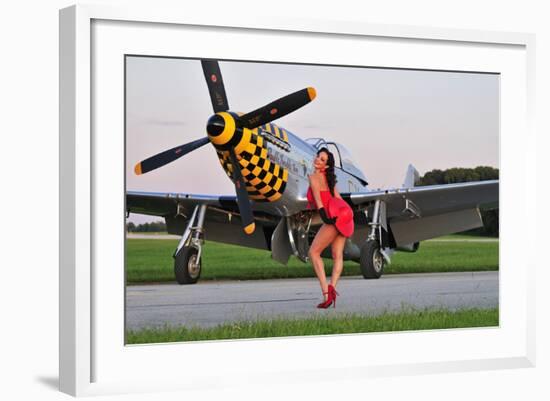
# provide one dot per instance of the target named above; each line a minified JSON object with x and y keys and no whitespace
{"x":334,"y":207}
{"x":325,"y":198}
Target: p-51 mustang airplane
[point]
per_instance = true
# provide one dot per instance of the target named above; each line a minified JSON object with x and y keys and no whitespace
{"x":269,"y":166}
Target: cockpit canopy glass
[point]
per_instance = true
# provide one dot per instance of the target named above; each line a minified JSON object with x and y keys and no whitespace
{"x":317,"y":143}
{"x":342,"y":156}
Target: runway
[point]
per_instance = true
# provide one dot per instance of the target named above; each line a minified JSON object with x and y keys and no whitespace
{"x":209,"y":304}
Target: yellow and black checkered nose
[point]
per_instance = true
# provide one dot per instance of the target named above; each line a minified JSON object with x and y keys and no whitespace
{"x":265,"y":179}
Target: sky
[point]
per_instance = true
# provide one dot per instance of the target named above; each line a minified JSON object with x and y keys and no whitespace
{"x":387,"y":118}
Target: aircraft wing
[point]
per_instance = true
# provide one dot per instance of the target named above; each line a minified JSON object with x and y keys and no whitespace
{"x":164,"y":204}
{"x":420,"y":213}
{"x":222,"y":219}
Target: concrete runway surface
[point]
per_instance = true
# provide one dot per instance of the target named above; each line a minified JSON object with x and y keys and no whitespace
{"x":209,"y":304}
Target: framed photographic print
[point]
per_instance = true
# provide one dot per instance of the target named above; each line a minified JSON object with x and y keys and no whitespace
{"x":247,"y":146}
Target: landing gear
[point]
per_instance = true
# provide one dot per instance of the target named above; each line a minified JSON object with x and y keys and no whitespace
{"x":187,"y":266}
{"x":371,"y":260}
{"x":187,"y":257}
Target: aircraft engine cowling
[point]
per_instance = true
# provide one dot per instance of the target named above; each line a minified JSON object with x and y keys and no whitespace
{"x":224,"y":133}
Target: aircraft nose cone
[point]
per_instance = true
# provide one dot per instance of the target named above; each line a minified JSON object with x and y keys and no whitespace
{"x":222,"y":130}
{"x":215,"y":125}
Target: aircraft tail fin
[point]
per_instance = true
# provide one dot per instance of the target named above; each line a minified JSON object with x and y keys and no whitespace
{"x":411,"y":177}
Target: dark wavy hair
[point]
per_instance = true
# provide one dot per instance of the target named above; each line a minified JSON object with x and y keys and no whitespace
{"x":331,"y":176}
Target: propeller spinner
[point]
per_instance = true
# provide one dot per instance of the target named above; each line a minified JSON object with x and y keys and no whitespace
{"x":229,"y":132}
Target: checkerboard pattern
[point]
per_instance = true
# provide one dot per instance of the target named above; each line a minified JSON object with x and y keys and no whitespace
{"x":265,"y":180}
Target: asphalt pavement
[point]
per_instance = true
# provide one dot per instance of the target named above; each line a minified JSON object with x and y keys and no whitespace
{"x":208,"y":304}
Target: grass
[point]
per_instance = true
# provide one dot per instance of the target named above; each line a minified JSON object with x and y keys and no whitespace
{"x":464,"y":237}
{"x":150,"y":260}
{"x":446,"y":257}
{"x":343,"y":324}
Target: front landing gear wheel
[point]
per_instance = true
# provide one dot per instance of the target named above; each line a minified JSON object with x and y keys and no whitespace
{"x":371,"y":260}
{"x":186,"y":268}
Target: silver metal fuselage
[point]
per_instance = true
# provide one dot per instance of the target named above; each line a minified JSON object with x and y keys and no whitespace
{"x":299,"y":162}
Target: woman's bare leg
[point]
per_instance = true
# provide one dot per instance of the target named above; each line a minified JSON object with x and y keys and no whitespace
{"x":324,"y":237}
{"x":338,"y":257}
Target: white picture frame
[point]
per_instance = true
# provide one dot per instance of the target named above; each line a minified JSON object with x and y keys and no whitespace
{"x":93,"y":361}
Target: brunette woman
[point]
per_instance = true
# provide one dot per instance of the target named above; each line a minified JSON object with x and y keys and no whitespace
{"x":337,"y":219}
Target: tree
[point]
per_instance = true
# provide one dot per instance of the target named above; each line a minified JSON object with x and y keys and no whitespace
{"x":433,"y":177}
{"x":456,"y":174}
{"x":154,"y":227}
{"x":130,"y":227}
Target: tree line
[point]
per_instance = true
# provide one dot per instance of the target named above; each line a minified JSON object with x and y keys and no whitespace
{"x":456,"y":175}
{"x":154,"y":227}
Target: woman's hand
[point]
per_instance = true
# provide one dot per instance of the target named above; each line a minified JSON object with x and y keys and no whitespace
{"x":325,"y":218}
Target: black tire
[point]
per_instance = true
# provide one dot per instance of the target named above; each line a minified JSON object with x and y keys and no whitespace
{"x":371,"y":260}
{"x":185,"y":270}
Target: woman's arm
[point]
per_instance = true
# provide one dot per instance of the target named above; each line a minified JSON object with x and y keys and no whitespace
{"x":337,"y":194}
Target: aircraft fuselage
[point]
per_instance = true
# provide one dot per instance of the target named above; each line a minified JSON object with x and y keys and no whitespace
{"x":275,"y":165}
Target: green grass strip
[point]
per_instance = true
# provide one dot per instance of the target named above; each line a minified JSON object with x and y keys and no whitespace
{"x":150,"y":260}
{"x":322,"y":325}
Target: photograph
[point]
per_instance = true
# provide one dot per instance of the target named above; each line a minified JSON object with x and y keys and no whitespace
{"x":271,"y":199}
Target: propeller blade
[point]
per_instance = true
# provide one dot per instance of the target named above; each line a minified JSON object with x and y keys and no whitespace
{"x":242,"y":195}
{"x":278,"y":108}
{"x":168,"y":156}
{"x":216,"y":88}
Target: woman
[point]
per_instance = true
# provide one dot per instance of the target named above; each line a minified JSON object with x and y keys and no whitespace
{"x":337,"y":217}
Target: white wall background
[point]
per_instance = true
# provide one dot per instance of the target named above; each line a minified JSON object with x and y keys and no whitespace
{"x":29,"y":199}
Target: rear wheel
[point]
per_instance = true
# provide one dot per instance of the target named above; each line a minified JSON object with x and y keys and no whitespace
{"x":186,"y":268}
{"x":371,"y":260}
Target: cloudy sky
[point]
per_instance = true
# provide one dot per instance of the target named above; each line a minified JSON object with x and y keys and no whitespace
{"x":387,"y":118}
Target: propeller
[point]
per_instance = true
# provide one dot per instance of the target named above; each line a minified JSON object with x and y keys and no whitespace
{"x":277,"y":109}
{"x":242,"y":195}
{"x":214,"y":80}
{"x":225,"y":130}
{"x":168,"y":156}
{"x":218,"y":97}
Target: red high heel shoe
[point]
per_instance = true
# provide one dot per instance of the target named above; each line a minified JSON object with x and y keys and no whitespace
{"x":331,"y":298}
{"x":327,"y":303}
{"x":333,"y":293}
